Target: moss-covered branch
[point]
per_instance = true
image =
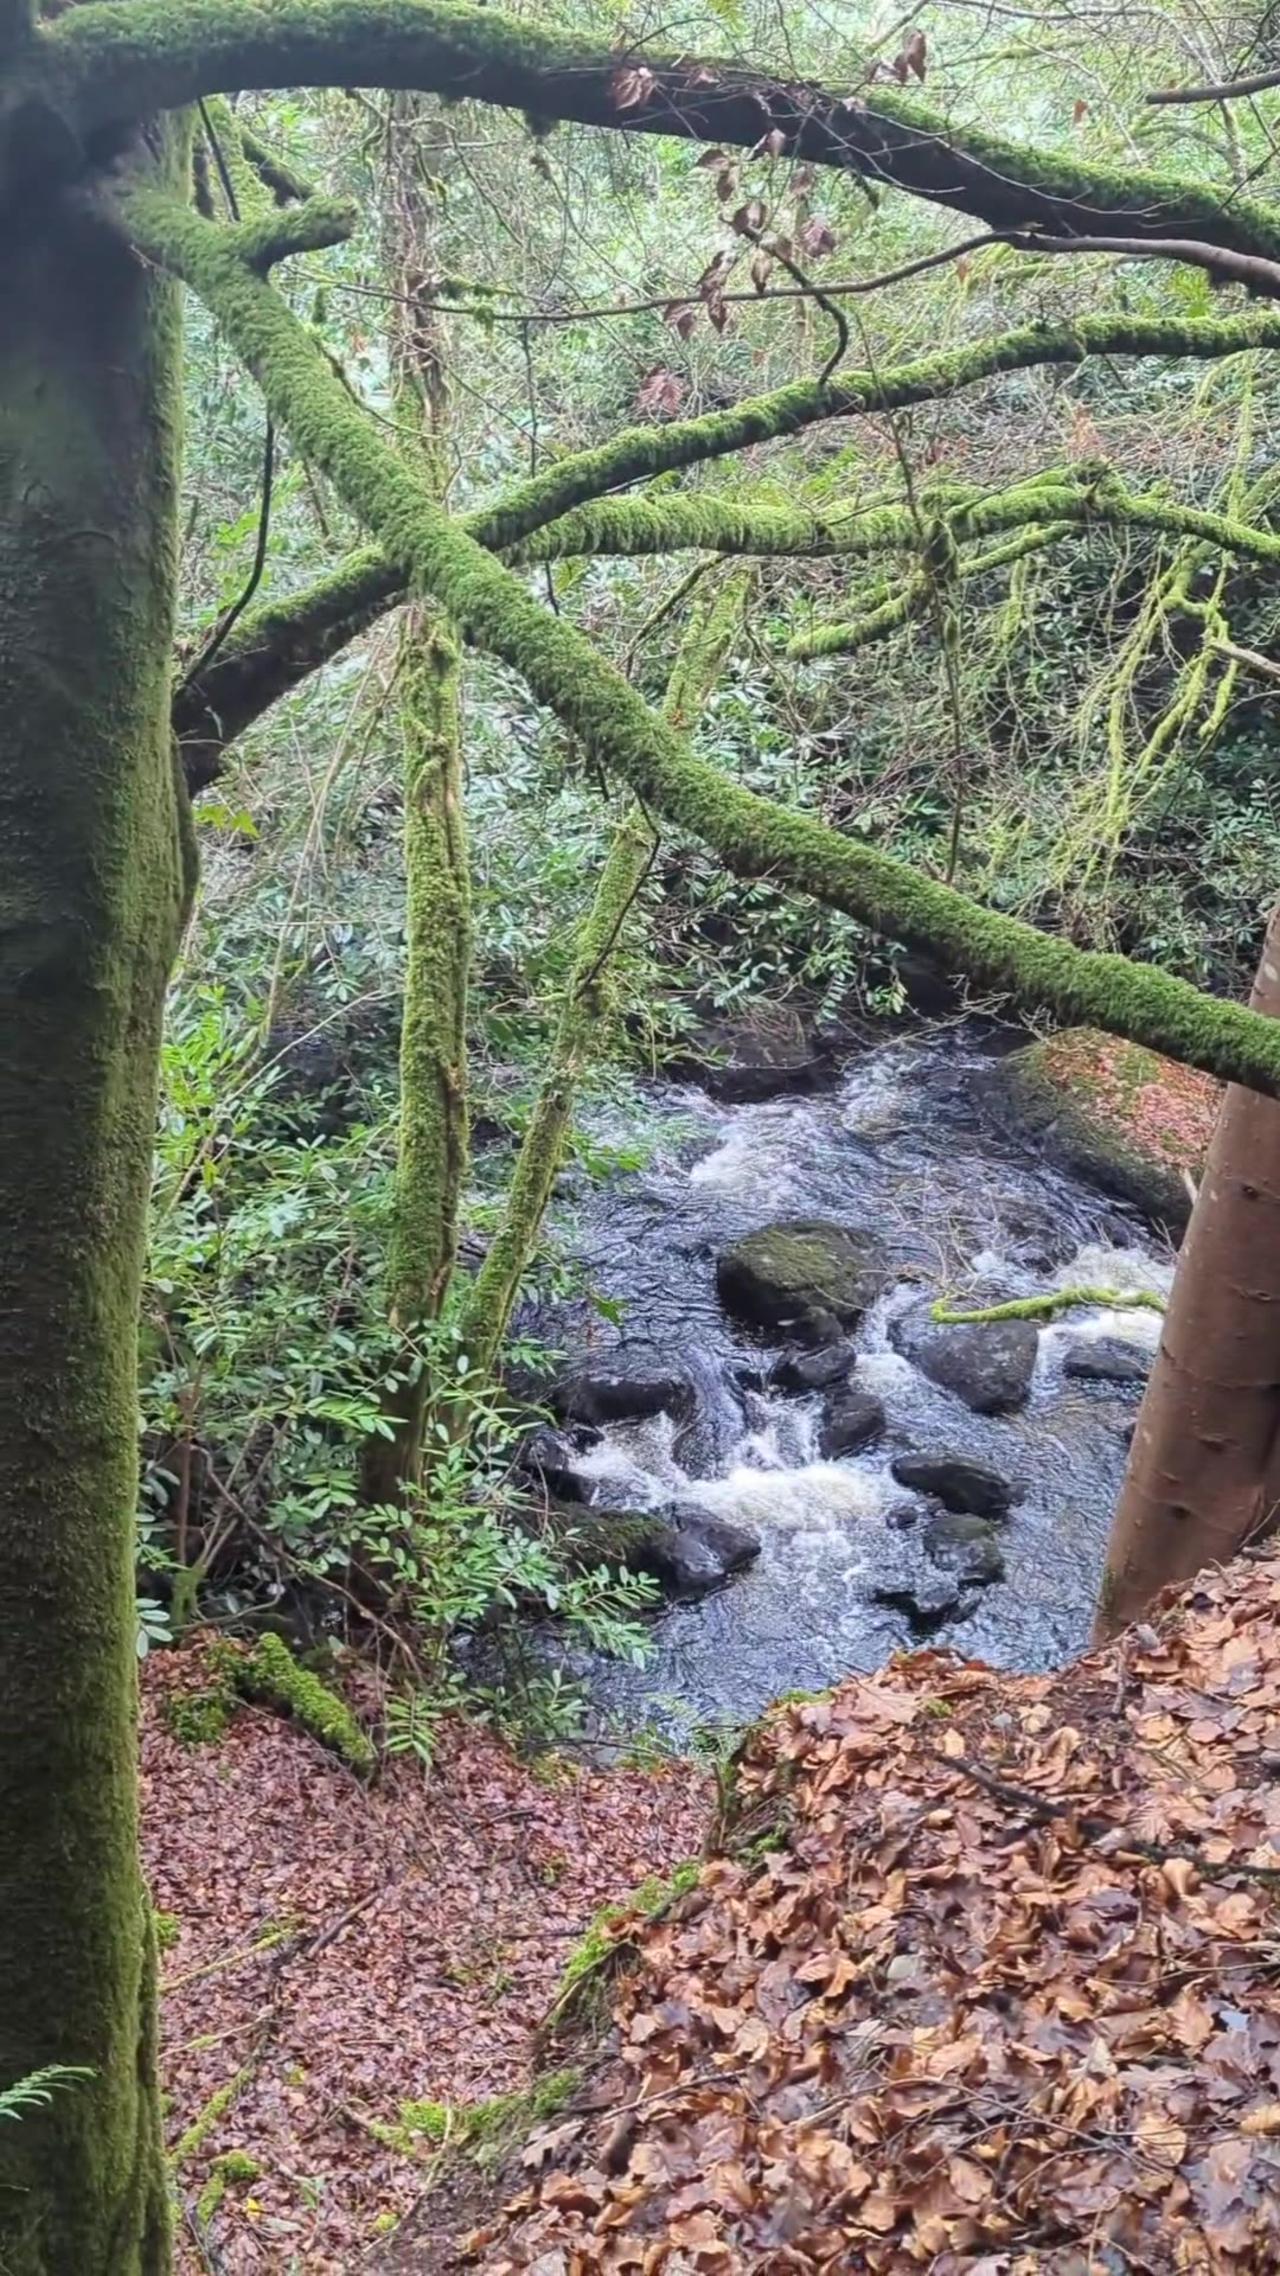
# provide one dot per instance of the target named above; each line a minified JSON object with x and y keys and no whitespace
{"x":103,"y":66}
{"x":588,"y":998}
{"x":272,"y":650}
{"x":1104,"y":504}
{"x":1048,"y":1306}
{"x":752,"y":837}
{"x":565,"y":512}
{"x":888,"y":611}
{"x":638,"y":453}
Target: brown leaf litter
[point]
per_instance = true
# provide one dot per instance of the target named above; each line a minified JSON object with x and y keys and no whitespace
{"x":1003,"y":1998}
{"x":343,"y":1948}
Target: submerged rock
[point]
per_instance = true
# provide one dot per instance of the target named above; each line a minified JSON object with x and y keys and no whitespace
{"x":1132,"y":1122}
{"x":1105,"y":1359}
{"x":702,"y":1552}
{"x":851,"y":1419}
{"x":548,"y":1459}
{"x":957,"y":1481}
{"x":804,"y":1277}
{"x":762,"y":1055}
{"x":799,"y":1371}
{"x":966,"y":1546}
{"x":632,"y":1380}
{"x":989,"y":1364}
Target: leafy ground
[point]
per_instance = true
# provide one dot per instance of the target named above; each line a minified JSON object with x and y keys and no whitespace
{"x":340,"y":1949}
{"x":1001,"y":1997}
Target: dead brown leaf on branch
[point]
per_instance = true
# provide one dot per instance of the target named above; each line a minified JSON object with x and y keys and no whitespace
{"x":1005,"y":1998}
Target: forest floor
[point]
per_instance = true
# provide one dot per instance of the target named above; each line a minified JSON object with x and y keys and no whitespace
{"x":338,"y":1949}
{"x":985,"y":1978}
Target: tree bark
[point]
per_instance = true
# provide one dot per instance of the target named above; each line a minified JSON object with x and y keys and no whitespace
{"x":486,"y":1308}
{"x":100,"y":65}
{"x":1204,"y":1471}
{"x":96,"y":869}
{"x":431,"y":1161}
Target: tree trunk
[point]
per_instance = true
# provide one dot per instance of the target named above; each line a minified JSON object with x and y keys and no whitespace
{"x":1204,"y":1472}
{"x":432,"y":1147}
{"x":96,"y":870}
{"x":431,"y":1160}
{"x":487,"y":1306}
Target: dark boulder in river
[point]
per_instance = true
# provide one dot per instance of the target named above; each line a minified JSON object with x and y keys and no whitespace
{"x":805,"y":1278}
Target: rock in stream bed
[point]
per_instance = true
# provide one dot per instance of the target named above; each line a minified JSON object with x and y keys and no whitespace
{"x":803,"y":1277}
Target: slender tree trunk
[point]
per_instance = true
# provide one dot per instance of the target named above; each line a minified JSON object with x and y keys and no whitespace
{"x":96,"y":869}
{"x":588,"y":999}
{"x":432,"y":1151}
{"x":1204,"y":1472}
{"x":432,"y":1146}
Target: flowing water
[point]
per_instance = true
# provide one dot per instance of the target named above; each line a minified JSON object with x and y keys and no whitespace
{"x":905,"y":1148}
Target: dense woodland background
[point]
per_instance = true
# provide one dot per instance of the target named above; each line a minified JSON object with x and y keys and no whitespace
{"x":1105,"y":768}
{"x":376,"y":1930}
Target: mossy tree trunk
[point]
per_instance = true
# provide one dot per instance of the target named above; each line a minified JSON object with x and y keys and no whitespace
{"x":433,"y":1136}
{"x":589,"y":998}
{"x":95,"y":877}
{"x":1204,"y":1471}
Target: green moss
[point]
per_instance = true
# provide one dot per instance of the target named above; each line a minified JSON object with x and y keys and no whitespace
{"x":487,"y":2131}
{"x":271,"y":1674}
{"x":232,"y":2166}
{"x":210,"y":2116}
{"x":1047,"y":1306}
{"x":432,"y":1153}
{"x":607,"y":1945}
{"x":200,"y":1718}
{"x":92,"y":891}
{"x":749,"y":834}
{"x":434,"y":2121}
{"x":168,"y":1928}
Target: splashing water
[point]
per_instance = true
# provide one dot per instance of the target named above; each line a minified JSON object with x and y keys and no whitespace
{"x":902,"y":1149}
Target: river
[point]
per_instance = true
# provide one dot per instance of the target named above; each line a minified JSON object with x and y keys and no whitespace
{"x":905,"y":1147}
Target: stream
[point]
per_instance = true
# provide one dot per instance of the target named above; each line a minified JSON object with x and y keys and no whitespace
{"x":903,"y":1147}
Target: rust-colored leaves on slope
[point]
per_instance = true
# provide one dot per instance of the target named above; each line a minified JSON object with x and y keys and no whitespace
{"x":1006,"y":2000}
{"x":341,"y":1948}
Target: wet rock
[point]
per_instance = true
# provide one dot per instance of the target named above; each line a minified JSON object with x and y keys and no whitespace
{"x":632,"y":1380}
{"x":851,"y":1419}
{"x":764,"y":1054}
{"x":988,"y":1365}
{"x":957,"y":1481}
{"x":799,"y":1371}
{"x":908,"y":1581}
{"x":690,"y":1552}
{"x":1133,"y":1123}
{"x":1105,"y":1359}
{"x":804,"y":1277}
{"x":546,"y":1459}
{"x":902,"y":1516}
{"x":966,"y":1546}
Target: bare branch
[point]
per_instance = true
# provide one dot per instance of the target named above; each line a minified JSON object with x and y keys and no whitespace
{"x":1261,"y":276}
{"x":1228,"y":90}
